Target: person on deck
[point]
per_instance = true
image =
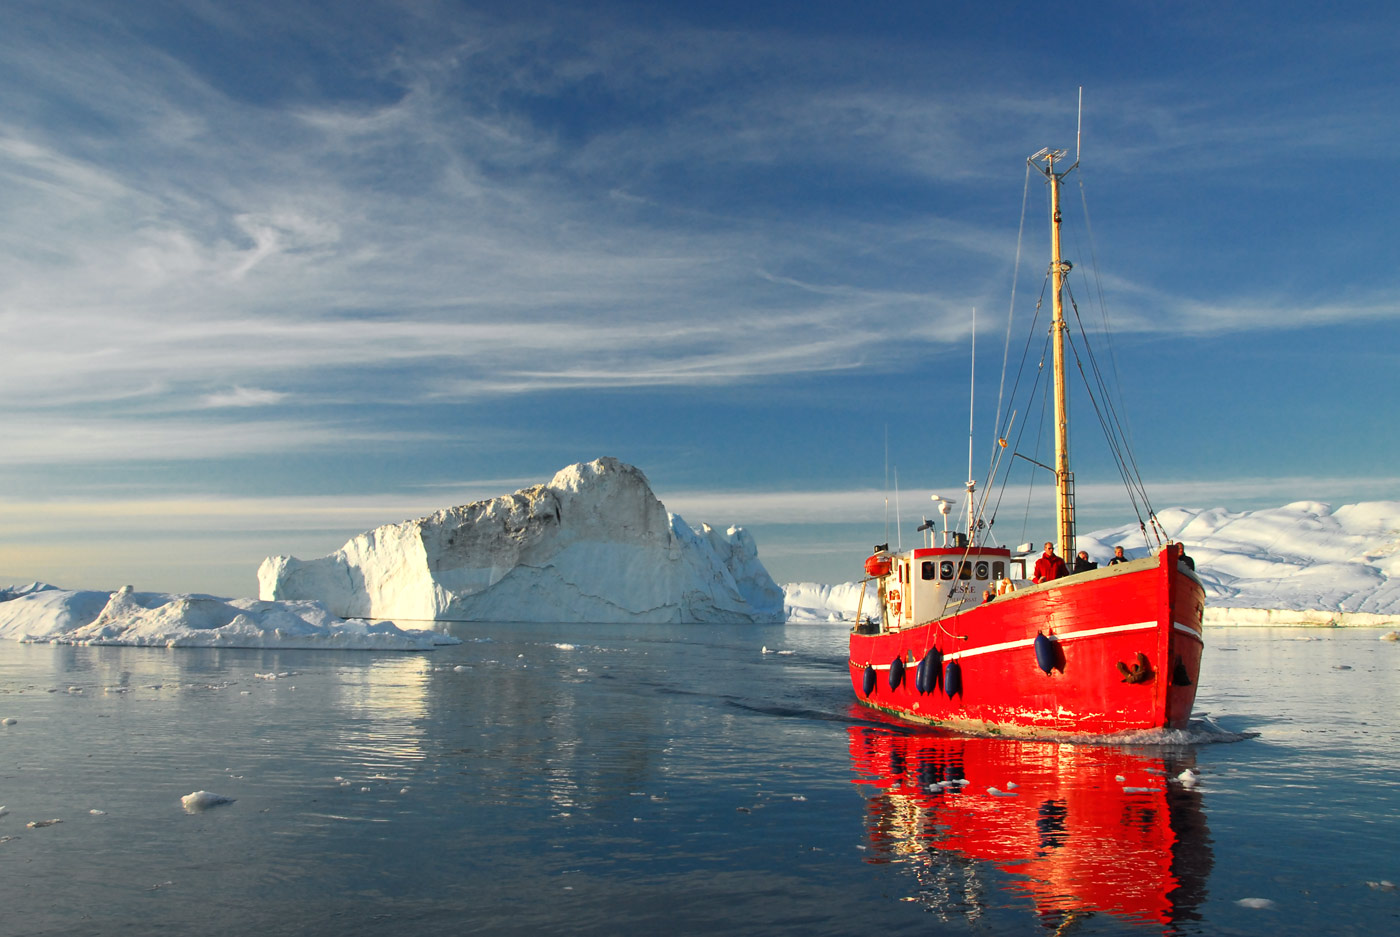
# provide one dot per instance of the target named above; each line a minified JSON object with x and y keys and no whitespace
{"x":1082,"y":563}
{"x":1049,"y":566}
{"x":1118,"y":557}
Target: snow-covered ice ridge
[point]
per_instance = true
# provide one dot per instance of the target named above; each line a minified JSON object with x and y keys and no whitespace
{"x":1303,"y":563}
{"x":592,"y":545}
{"x":40,"y":613}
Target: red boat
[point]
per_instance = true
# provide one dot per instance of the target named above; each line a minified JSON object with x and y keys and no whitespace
{"x":1081,"y":829}
{"x":956,"y":642}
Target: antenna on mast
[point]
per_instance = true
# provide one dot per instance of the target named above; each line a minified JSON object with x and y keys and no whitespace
{"x":1079,"y":126}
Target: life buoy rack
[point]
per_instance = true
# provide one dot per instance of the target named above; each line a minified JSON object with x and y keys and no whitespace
{"x":892,"y":601}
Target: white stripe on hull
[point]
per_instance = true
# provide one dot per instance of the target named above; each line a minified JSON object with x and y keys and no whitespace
{"x":1066,"y":636}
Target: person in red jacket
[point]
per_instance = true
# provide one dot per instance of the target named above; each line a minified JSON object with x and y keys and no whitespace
{"x":1049,"y":566}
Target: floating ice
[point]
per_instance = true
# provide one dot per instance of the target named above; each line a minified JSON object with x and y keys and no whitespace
{"x":200,"y":801}
{"x":1189,"y":778}
{"x":8,"y":721}
{"x":1259,"y":903}
{"x":97,"y":813}
{"x":153,"y":619}
{"x":40,"y":824}
{"x":1382,"y":885}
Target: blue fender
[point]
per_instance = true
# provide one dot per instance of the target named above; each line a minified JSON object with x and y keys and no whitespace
{"x":896,"y":673}
{"x":869,"y":679}
{"x":952,"y":679}
{"x":930,"y":671}
{"x":1047,"y":654}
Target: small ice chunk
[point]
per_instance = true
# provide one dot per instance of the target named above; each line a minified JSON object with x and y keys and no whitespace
{"x":8,"y":721}
{"x":3,"y":811}
{"x":1258,"y":903}
{"x":40,"y":824}
{"x":765,"y":649}
{"x":1119,"y":778}
{"x":1189,"y":778}
{"x":1391,"y":636}
{"x":1011,"y":785}
{"x":200,"y":801}
{"x":1382,"y":885}
{"x":97,"y":813}
{"x":460,"y":668}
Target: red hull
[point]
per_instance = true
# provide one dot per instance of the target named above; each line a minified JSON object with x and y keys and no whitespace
{"x":1084,"y":829}
{"x":1141,"y":613}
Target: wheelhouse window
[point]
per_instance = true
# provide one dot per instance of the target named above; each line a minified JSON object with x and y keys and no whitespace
{"x":982,"y":569}
{"x":998,"y":570}
{"x":929,"y":570}
{"x":945,"y":569}
{"x":965,"y":569}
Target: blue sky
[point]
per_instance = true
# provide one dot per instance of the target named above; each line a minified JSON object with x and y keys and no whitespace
{"x":274,"y":273}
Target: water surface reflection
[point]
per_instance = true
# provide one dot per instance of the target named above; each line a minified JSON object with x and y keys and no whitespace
{"x":1084,"y":829}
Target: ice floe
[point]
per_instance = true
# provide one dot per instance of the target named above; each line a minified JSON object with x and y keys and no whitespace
{"x":199,"y":801}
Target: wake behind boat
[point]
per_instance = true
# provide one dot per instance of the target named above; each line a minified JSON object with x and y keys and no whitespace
{"x":1109,"y":650}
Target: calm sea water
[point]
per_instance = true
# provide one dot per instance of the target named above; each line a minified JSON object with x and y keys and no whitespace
{"x":608,"y":779}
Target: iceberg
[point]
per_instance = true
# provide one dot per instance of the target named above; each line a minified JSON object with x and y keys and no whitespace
{"x":593,"y":545}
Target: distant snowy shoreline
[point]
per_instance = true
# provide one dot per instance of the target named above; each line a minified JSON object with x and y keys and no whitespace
{"x":813,"y":603}
{"x":1304,"y":564}
{"x":1301,"y":564}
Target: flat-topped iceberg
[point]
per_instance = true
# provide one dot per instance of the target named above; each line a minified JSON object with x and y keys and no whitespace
{"x":43,"y":614}
{"x":592,"y":545}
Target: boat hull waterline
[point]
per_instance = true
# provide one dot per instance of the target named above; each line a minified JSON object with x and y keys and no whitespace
{"x":1123,"y":645}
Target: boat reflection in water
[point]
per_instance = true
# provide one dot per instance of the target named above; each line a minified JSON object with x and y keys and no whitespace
{"x":1084,"y":829}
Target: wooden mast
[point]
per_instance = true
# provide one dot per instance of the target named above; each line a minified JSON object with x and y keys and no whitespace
{"x":1064,"y":479}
